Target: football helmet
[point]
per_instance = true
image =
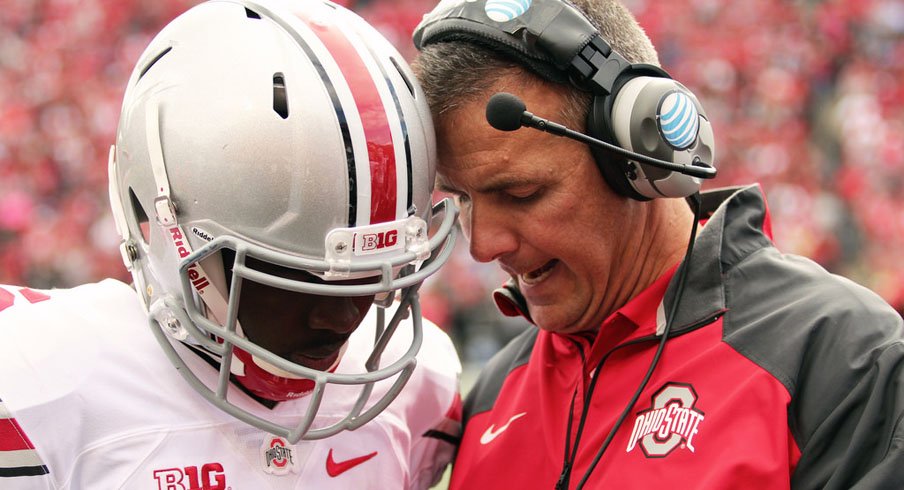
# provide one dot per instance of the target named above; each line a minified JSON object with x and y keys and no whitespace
{"x":283,"y":133}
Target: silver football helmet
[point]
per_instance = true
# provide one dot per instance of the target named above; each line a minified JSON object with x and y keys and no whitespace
{"x":283,"y":133}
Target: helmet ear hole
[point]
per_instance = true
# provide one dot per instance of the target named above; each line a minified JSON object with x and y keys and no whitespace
{"x":280,"y":98}
{"x":141,"y":217}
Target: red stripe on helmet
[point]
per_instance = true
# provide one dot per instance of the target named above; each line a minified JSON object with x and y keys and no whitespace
{"x":380,"y":149}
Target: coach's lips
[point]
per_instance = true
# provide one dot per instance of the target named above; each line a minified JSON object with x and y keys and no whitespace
{"x":539,"y":274}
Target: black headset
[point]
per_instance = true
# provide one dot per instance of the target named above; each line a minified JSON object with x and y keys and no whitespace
{"x":637,"y":107}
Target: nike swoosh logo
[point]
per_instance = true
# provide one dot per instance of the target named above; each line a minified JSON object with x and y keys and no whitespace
{"x":335,"y":469}
{"x":492,"y":432}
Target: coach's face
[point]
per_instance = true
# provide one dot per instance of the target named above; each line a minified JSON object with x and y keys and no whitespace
{"x":537,"y":205}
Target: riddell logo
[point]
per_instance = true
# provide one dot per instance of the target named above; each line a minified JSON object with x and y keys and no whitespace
{"x":179,"y":242}
{"x":198,"y":280}
{"x":671,"y":422}
{"x":209,"y":477}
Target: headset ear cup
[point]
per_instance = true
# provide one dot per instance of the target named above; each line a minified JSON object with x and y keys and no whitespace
{"x":654,"y":116}
{"x":658,"y":117}
{"x":615,"y":168}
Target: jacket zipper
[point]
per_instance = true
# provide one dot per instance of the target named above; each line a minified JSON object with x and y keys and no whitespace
{"x":565,"y":475}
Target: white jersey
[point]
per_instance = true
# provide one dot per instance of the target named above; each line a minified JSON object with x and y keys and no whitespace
{"x":88,"y":400}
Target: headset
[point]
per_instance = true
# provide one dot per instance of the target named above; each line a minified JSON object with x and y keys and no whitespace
{"x":637,"y":107}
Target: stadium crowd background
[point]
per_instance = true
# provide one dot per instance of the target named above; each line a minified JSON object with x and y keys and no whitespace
{"x":806,"y":97}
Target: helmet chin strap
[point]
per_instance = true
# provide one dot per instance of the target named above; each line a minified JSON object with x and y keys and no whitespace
{"x":211,"y":292}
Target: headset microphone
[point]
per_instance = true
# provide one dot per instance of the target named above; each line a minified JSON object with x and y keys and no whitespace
{"x":507,"y":112}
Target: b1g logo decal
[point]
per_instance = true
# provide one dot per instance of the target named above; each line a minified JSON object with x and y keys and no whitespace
{"x":375,"y":241}
{"x":378,"y":241}
{"x":207,"y":477}
{"x":671,"y":422}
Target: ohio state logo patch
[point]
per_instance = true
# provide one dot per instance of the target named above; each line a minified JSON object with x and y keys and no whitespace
{"x":278,"y":456}
{"x":672,"y":422}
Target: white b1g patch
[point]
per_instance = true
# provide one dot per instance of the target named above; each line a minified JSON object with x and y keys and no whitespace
{"x":347,"y":245}
{"x":377,"y":242}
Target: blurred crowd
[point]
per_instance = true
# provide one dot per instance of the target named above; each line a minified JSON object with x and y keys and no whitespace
{"x":806,"y":97}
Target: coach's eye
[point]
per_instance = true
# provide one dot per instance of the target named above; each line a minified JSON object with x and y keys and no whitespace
{"x":526,"y":194}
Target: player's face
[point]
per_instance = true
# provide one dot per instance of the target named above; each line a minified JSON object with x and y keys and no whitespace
{"x":537,"y":205}
{"x":303,"y":328}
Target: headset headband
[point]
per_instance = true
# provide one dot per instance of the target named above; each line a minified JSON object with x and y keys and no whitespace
{"x":545,"y":35}
{"x":637,"y":107}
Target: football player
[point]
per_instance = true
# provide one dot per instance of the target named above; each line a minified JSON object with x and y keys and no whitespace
{"x":271,"y":182}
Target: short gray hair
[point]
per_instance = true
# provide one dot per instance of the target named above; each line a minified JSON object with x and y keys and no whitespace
{"x":454,"y":73}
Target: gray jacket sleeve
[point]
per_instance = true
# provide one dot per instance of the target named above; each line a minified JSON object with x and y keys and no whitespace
{"x":838,"y":349}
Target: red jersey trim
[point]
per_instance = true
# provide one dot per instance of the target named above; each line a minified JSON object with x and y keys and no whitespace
{"x":17,"y":454}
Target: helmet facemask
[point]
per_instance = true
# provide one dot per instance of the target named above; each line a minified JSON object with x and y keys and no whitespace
{"x":191,"y":319}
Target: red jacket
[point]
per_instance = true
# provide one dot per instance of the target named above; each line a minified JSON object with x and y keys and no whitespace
{"x":775,"y":375}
